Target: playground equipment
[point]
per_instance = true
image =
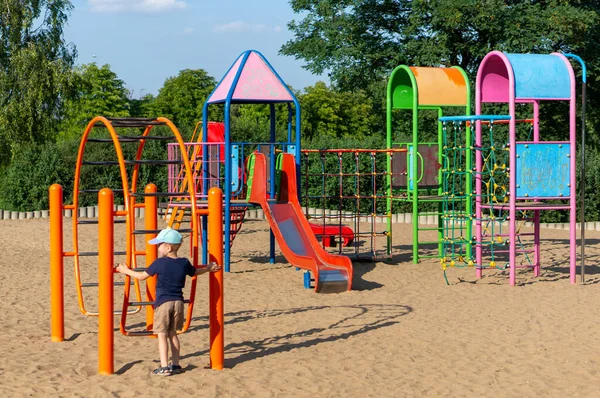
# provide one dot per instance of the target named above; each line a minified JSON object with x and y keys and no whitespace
{"x":129,"y":171}
{"x":212,"y":154}
{"x":359,"y":176}
{"x":250,"y":80}
{"x":332,"y":274}
{"x":517,"y":175}
{"x":433,"y":173}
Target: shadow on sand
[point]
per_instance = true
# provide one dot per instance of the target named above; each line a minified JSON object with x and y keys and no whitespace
{"x":367,"y":318}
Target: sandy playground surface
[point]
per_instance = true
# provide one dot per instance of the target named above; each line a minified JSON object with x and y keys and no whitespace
{"x":400,"y":333}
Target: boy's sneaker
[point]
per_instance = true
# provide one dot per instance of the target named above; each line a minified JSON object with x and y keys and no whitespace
{"x":175,"y":368}
{"x":162,"y":371}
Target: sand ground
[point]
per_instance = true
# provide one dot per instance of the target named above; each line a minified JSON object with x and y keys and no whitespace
{"x":402,"y":332}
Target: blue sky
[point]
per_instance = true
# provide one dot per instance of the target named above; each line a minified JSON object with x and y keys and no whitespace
{"x":147,"y":41}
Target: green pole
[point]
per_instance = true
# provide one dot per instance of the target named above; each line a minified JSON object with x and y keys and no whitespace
{"x":389,"y":163}
{"x":440,"y":190}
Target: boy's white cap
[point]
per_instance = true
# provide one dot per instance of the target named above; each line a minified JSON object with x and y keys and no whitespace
{"x":167,"y":235}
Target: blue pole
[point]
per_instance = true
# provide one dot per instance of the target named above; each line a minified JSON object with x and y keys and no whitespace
{"x":227,"y":189}
{"x":228,"y":183}
{"x":298,"y":148}
{"x":273,"y":188}
{"x":204,"y":182}
{"x":289,"y":121}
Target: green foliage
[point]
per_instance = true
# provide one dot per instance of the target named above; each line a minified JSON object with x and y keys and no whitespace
{"x":24,"y":184}
{"x":360,"y":42}
{"x":182,"y":97}
{"x":99,"y":93}
{"x":252,"y":122}
{"x":331,"y":113}
{"x":35,"y":71}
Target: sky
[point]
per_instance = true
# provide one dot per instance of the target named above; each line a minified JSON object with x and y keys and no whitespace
{"x":147,"y":41}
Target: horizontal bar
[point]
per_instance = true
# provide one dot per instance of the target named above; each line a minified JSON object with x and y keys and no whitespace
{"x":138,"y":303}
{"x":305,"y":151}
{"x":508,"y":251}
{"x":96,"y":221}
{"x":98,"y":190}
{"x":161,"y":194}
{"x":153,"y":162}
{"x":91,"y":254}
{"x":95,"y":284}
{"x":473,"y":118}
{"x":131,"y":162}
{"x":141,"y":333}
{"x":155,"y":231}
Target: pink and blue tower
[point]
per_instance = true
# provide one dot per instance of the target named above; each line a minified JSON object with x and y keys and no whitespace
{"x":518,"y":173}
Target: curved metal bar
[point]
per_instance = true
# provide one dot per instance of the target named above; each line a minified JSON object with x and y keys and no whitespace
{"x":96,"y":122}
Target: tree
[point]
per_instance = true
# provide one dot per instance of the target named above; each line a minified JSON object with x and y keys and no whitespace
{"x":361,"y":41}
{"x":182,"y":97}
{"x":35,"y":71}
{"x":329,"y":113}
{"x":99,"y":92}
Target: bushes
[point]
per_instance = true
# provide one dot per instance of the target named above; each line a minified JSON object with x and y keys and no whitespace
{"x":24,"y":183}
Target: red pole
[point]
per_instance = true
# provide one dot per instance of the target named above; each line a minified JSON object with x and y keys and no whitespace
{"x":215,"y":251}
{"x":105,"y":282}
{"x":151,"y":223}
{"x":57,"y":307}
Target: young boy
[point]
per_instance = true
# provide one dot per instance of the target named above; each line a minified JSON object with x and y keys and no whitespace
{"x":168,"y":306}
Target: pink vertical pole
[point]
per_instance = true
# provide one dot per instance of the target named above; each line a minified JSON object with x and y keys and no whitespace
{"x":573,"y":178}
{"x":478,"y":168}
{"x":536,"y":213}
{"x":512,"y":213}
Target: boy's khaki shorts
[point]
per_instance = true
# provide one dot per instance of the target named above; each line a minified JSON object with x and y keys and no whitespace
{"x":168,"y":317}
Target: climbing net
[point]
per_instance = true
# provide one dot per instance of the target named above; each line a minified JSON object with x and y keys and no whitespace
{"x":494,"y":175}
{"x":457,"y":207}
{"x":345,"y":198}
{"x":461,"y":201}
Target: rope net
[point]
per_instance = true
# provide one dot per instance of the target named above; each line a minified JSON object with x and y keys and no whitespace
{"x":344,"y":193}
{"x":459,"y":204}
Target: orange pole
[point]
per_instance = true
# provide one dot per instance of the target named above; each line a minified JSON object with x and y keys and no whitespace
{"x":105,"y":282}
{"x":151,"y":222}
{"x":215,"y":251}
{"x":57,"y":301}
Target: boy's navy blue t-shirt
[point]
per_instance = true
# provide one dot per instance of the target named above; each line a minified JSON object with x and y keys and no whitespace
{"x":171,"y":278}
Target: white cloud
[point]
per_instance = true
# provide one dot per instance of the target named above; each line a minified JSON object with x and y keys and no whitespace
{"x":188,"y":30}
{"x":141,"y":6}
{"x":240,"y":27}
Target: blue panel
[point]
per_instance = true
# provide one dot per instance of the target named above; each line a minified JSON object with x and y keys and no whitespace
{"x":540,"y":76}
{"x":235,"y":168}
{"x":543,"y":170}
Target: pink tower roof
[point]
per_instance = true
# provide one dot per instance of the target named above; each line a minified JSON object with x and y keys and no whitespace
{"x":257,"y":81}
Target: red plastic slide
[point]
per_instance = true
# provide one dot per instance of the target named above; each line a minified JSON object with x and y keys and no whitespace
{"x":333,"y":274}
